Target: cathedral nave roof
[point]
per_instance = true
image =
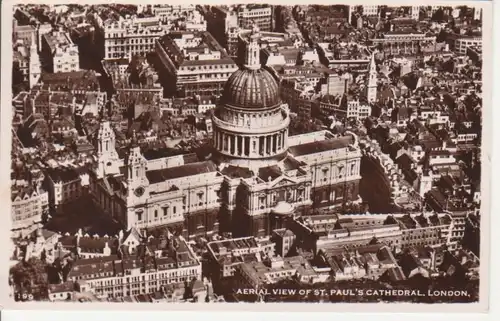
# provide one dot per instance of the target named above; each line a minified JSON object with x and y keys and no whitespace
{"x":321,"y":146}
{"x":160,"y":175}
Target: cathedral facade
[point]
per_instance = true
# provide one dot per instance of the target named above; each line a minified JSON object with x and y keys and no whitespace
{"x":256,"y":177}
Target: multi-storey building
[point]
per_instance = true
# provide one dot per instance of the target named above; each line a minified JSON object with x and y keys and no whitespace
{"x":431,"y":231}
{"x":20,"y":104}
{"x":257,"y":275}
{"x":139,"y":267}
{"x":25,"y":33}
{"x":185,"y":16}
{"x":369,"y":262}
{"x":460,"y":43}
{"x":50,"y":98}
{"x":368,"y":11}
{"x":358,"y":109}
{"x":220,"y":20}
{"x":344,"y":233}
{"x":225,"y":255}
{"x":59,"y":53}
{"x":66,"y":185}
{"x":330,"y":105}
{"x":372,"y":10}
{"x":132,"y":36}
{"x":299,"y":94}
{"x":478,"y":13}
{"x":415,"y":12}
{"x":194,"y":63}
{"x":259,"y":14}
{"x":270,"y":43}
{"x":337,"y":57}
{"x":21,"y":61}
{"x":256,"y":173}
{"x":404,"y":42}
{"x":28,"y":206}
{"x":164,"y":11}
{"x":336,"y":84}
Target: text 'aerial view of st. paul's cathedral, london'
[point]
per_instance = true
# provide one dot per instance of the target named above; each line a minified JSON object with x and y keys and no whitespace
{"x":167,"y":153}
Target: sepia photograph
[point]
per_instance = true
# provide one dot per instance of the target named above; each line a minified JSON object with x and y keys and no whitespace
{"x":245,"y":153}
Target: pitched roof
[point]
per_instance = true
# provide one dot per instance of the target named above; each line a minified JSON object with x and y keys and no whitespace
{"x":321,"y":146}
{"x":272,"y":172}
{"x":237,"y":172}
{"x":160,"y":175}
{"x":395,"y":274}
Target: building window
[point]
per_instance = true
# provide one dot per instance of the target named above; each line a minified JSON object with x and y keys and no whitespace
{"x":262,"y":200}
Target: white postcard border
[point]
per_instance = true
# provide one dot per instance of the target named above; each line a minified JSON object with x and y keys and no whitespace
{"x":486,"y":217}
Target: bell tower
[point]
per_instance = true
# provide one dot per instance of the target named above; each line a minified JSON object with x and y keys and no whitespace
{"x":108,"y":160}
{"x":371,"y":88}
{"x":35,"y":69}
{"x":136,"y":169}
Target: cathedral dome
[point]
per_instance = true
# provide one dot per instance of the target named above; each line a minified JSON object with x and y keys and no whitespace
{"x":251,"y":88}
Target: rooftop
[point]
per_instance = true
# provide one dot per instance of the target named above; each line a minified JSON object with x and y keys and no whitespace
{"x":227,"y":246}
{"x":70,"y":81}
{"x":188,"y":49}
{"x":63,"y":174}
{"x":59,"y":40}
{"x":236,"y":172}
{"x":269,"y":272}
{"x":161,"y":175}
{"x":322,"y":146}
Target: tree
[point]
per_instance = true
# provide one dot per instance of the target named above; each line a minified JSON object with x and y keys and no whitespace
{"x":438,"y":16}
{"x":301,"y":125}
{"x":31,"y":277}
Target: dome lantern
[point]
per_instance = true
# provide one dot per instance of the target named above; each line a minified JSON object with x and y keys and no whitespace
{"x":252,"y":58}
{"x":250,"y":125}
